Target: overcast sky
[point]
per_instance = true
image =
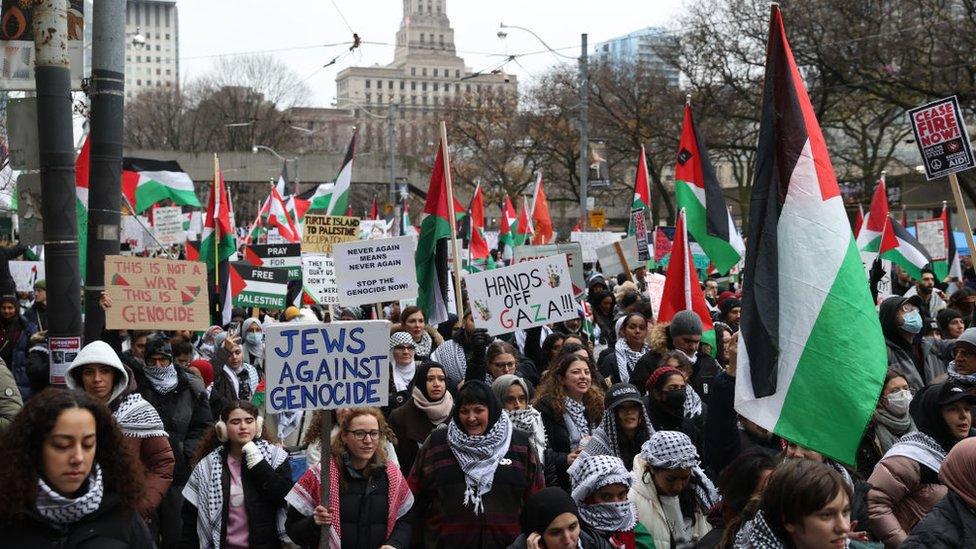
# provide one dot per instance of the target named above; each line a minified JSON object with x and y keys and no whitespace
{"x":299,"y":28}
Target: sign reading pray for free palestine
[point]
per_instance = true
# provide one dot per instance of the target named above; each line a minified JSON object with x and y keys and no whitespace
{"x":522,"y":296}
{"x":327,"y":366}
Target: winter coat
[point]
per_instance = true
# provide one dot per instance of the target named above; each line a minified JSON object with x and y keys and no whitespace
{"x":20,"y":332}
{"x":264,"y":489}
{"x":922,"y":362}
{"x":7,"y":284}
{"x":721,"y":438}
{"x":412,"y":427}
{"x":111,"y":526}
{"x":10,"y":400}
{"x":438,"y":485}
{"x":557,"y":451}
{"x":659,"y":340}
{"x":903,"y":491}
{"x":661,"y":420}
{"x":37,"y":315}
{"x":650,"y":513}
{"x":950,"y":524}
{"x":588,"y":539}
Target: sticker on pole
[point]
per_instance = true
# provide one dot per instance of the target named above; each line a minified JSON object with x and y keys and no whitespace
{"x":375,"y":271}
{"x":252,"y":286}
{"x":64,"y":350}
{"x":327,"y":366}
{"x":528,"y":294}
{"x":941,"y":136}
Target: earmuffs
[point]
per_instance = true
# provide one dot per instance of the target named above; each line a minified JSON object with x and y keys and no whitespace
{"x":221,"y":429}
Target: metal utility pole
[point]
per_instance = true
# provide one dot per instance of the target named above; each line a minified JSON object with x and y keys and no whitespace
{"x":105,"y":180}
{"x":584,"y":127}
{"x":54,"y":135}
{"x":391,"y":131}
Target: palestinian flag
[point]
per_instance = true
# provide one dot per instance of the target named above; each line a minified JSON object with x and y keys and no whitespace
{"x":279,"y":218}
{"x":478,"y":246}
{"x":192,"y":250}
{"x":697,"y":191}
{"x":948,"y":267}
{"x":909,"y":254}
{"x":82,"y":166}
{"x":642,"y":190}
{"x":540,"y":215}
{"x":506,"y":238}
{"x":252,"y":286}
{"x":876,"y":234}
{"x":146,"y":182}
{"x":522,"y":229}
{"x":218,"y":243}
{"x":858,"y":221}
{"x":812,"y":357}
{"x":295,"y":206}
{"x":431,"y":256}
{"x":374,"y":210}
{"x":682,"y":290}
{"x":334,"y":197}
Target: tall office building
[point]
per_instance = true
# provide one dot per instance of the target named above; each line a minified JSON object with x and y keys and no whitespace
{"x":152,"y":60}
{"x":640,"y":46}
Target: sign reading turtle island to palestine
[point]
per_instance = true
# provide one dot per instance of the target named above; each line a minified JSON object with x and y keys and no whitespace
{"x":323,"y":231}
{"x":252,"y":286}
{"x":156,"y":294}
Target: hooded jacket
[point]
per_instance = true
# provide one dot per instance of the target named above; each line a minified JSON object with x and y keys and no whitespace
{"x":660,"y":343}
{"x":921,"y":362}
{"x":650,"y":512}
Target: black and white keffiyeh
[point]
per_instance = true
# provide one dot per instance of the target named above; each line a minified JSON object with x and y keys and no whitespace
{"x":756,"y":534}
{"x":250,"y":373}
{"x":607,"y":433}
{"x":422,"y":348}
{"x":530,"y":420}
{"x":963,"y":379}
{"x":626,"y":358}
{"x":693,"y":403}
{"x":921,"y":448}
{"x":451,"y":357}
{"x":138,"y":419}
{"x":588,"y":474}
{"x":61,"y":510}
{"x":163,"y":380}
{"x":674,"y":450}
{"x":478,"y":456}
{"x":204,"y":491}
{"x":576,"y":422}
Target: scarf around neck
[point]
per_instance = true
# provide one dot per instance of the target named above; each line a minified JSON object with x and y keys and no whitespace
{"x":422,"y":347}
{"x":919,"y":447}
{"x":478,"y":457}
{"x":890,"y":428}
{"x":163,"y":380}
{"x":62,"y":510}
{"x":626,"y":359}
{"x":576,"y":422}
{"x":437,"y":412}
{"x":962,"y":379}
{"x":403,"y":374}
{"x":138,"y":419}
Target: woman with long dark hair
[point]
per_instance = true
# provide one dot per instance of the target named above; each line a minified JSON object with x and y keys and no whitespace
{"x":65,"y":479}
{"x":625,"y":426}
{"x":741,"y":486}
{"x":238,"y":485}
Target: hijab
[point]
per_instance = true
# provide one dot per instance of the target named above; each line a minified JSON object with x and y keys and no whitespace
{"x":957,"y":471}
{"x":437,"y":411}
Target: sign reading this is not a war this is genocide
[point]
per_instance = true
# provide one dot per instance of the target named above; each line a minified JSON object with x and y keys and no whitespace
{"x":522,"y":296}
{"x":374,"y":271}
{"x":156,"y":294}
{"x":322,"y":232}
{"x":327,"y":366}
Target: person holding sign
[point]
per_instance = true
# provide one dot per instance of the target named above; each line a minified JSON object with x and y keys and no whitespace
{"x":237,"y":487}
{"x":428,"y":407}
{"x":370,"y":501}
{"x":472,"y":478}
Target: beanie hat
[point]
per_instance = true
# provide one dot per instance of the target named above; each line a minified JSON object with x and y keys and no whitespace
{"x":659,"y":373}
{"x":728,"y":305}
{"x":291,"y":312}
{"x":205,"y":368}
{"x":686,"y":323}
{"x":40,"y":285}
{"x":542,"y":507}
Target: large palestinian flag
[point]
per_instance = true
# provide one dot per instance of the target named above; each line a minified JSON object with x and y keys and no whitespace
{"x":146,"y":182}
{"x":642,"y":190}
{"x":682,"y":290}
{"x":431,"y":255}
{"x":812,"y":358}
{"x":909,"y":254}
{"x":262,"y":287}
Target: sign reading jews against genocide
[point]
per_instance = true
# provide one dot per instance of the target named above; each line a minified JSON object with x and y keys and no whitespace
{"x":276,"y":256}
{"x":319,"y":279}
{"x":327,"y":366}
{"x":574,"y":256}
{"x":375,"y":271}
{"x":323,"y":231}
{"x":524,"y":295}
{"x":252,"y":286}
{"x":156,"y":294}
{"x":941,"y":136}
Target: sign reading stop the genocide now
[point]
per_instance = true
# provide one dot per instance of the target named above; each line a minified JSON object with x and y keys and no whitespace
{"x":940,"y":133}
{"x":156,"y":294}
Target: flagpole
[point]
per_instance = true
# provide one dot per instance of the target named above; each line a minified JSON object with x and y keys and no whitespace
{"x":687,"y":254}
{"x":458,"y":301}
{"x":216,"y":231}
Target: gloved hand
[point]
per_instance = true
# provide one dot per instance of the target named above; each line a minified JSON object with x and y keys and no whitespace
{"x":252,"y":455}
{"x":479,"y":343}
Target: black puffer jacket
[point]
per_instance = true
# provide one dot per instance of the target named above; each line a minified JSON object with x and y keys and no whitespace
{"x":558,"y":450}
{"x":951,"y":523}
{"x":111,"y":526}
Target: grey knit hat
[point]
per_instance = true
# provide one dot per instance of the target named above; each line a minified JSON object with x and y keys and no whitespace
{"x":685,"y":323}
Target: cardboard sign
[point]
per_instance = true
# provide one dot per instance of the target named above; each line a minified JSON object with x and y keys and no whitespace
{"x":532,"y":293}
{"x":26,"y":273}
{"x":252,"y":286}
{"x":574,"y":256}
{"x":598,"y":218}
{"x":156,"y":294}
{"x":375,"y":271}
{"x":640,"y":232}
{"x":940,"y":133}
{"x":168,"y":225}
{"x":591,"y":241}
{"x":276,"y":256}
{"x":655,"y":290}
{"x":319,"y":279}
{"x":610,"y":260}
{"x":327,"y":366}
{"x":931,"y":235}
{"x":373,"y":229}
{"x":322,"y":231}
{"x":64,"y":350}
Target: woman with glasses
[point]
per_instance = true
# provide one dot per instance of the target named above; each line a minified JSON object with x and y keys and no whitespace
{"x":402,"y":369}
{"x":370,"y":499}
{"x":514,"y":394}
{"x":502,"y":359}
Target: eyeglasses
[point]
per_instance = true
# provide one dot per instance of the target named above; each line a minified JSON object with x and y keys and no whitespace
{"x":403,"y":348}
{"x":360,"y":434}
{"x":505,"y":365}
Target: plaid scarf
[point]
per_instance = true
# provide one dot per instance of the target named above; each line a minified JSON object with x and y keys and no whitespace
{"x":576,"y":422}
{"x":478,"y":457}
{"x":756,"y":534}
{"x":138,"y":419}
{"x":674,"y":450}
{"x":963,"y":379}
{"x":626,"y":359}
{"x":61,"y":510}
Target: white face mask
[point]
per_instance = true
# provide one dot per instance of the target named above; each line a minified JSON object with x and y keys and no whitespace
{"x":898,"y":402}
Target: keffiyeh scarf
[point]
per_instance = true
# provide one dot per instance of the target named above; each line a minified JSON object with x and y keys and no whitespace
{"x":530,"y":421}
{"x":964,"y":379}
{"x":693,"y":403}
{"x":138,"y":419}
{"x":243,"y":393}
{"x":478,"y":457}
{"x":422,"y":347}
{"x":608,"y":428}
{"x":204,"y":491}
{"x":674,"y":450}
{"x":164,"y":380}
{"x":62,"y":510}
{"x":626,"y":359}
{"x":921,"y":448}
{"x":756,"y":534}
{"x":590,"y":473}
{"x":576,"y":422}
{"x":451,"y":356}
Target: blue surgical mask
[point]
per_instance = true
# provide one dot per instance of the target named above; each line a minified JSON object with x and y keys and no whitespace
{"x":255,"y":338}
{"x":912,"y":322}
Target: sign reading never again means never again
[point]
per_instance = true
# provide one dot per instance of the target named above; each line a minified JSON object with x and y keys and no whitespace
{"x":327,"y":366}
{"x":252,"y":286}
{"x":375,"y":271}
{"x":276,"y":256}
{"x":156,"y":294}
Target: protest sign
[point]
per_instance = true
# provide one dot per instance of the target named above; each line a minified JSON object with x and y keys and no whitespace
{"x":252,"y":286}
{"x":322,"y":231}
{"x":168,"y":225}
{"x":609,"y":258}
{"x":375,"y":270}
{"x":64,"y":350}
{"x":276,"y":256}
{"x":156,"y":294}
{"x":940,"y":133}
{"x":134,"y":232}
{"x":662,"y":243}
{"x":640,"y":232}
{"x":532,"y":293}
{"x":574,"y":256}
{"x":592,"y":240}
{"x":319,"y":281}
{"x":655,"y":290}
{"x":26,"y":273}
{"x":930,"y":233}
{"x":327,"y":366}
{"x":373,"y":229}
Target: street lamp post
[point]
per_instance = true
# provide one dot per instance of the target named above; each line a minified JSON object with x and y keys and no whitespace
{"x":257,"y":148}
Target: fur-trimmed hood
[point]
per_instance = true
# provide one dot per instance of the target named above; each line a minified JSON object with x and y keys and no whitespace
{"x":659,"y":338}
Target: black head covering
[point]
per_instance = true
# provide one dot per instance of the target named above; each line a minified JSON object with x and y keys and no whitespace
{"x":542,"y":507}
{"x":945,"y":316}
{"x":926,"y":411}
{"x":420,"y":376}
{"x":728,"y":305}
{"x":477,"y":392}
{"x":888,"y":314}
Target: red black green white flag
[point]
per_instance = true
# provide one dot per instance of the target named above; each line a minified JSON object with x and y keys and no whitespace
{"x":146,"y":182}
{"x":431,"y":256}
